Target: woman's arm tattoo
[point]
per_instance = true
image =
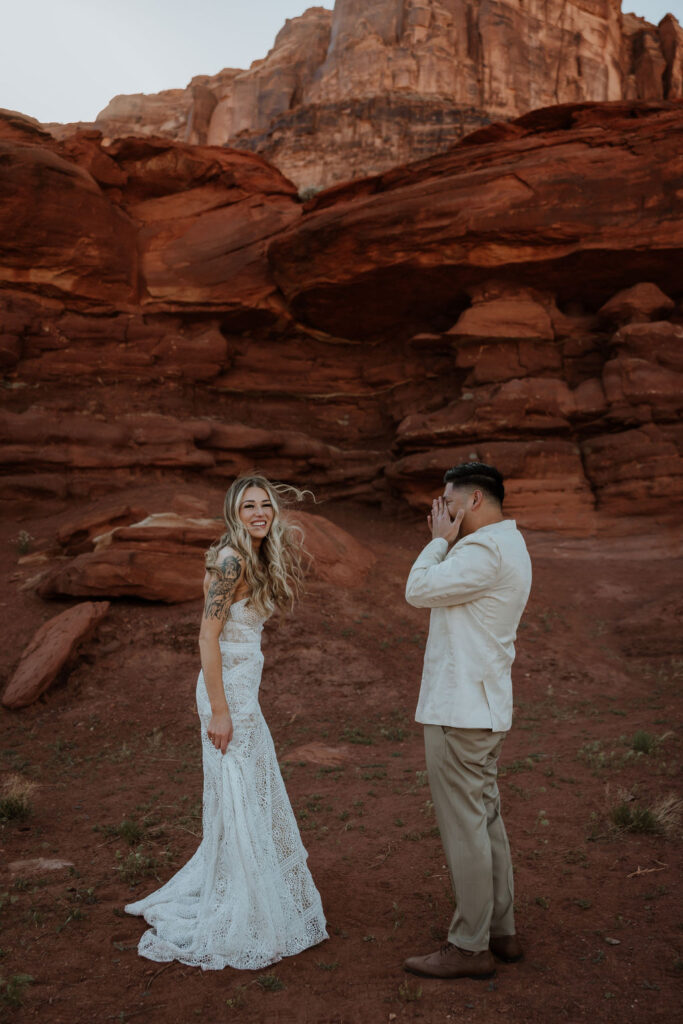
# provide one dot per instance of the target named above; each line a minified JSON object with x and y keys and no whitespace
{"x":224,"y":578}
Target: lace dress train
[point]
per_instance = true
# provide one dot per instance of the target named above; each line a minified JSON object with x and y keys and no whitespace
{"x":246,"y":898}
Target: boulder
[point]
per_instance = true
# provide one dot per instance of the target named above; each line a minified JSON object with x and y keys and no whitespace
{"x":660,"y":342}
{"x":77,"y":533}
{"x":514,"y":408}
{"x":637,"y":388}
{"x":160,"y":558}
{"x":512,"y":315}
{"x":206,"y":216}
{"x":337,"y":557}
{"x":51,"y":652}
{"x":151,"y":571}
{"x":46,"y":250}
{"x":637,"y":472}
{"x":642,"y":302}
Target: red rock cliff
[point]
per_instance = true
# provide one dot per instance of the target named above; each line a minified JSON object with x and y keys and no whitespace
{"x":377,"y":83}
{"x":517,"y":299}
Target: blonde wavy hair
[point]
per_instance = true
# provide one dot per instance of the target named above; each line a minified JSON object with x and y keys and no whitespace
{"x":274,"y":574}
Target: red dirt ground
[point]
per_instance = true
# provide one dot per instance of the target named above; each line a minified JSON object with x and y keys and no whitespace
{"x":599,"y":657}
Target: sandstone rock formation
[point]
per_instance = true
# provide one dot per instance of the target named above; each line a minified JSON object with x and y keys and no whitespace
{"x":336,"y":557}
{"x":512,"y":202}
{"x":51,"y":652}
{"x":517,"y":298}
{"x":376,"y":83}
{"x":168,"y":226}
{"x":160,"y":557}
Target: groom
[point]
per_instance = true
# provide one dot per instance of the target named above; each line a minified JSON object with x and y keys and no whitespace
{"x":477,"y":589}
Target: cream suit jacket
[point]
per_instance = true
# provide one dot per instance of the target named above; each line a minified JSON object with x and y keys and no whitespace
{"x":477,"y":592}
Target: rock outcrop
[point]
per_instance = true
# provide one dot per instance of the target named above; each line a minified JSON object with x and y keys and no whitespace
{"x":52,"y":651}
{"x":167,"y":225}
{"x":376,"y":83}
{"x":160,"y":558}
{"x":517,"y":299}
{"x":512,"y":202}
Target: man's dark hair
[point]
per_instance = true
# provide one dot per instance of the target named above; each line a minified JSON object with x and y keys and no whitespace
{"x":477,"y":474}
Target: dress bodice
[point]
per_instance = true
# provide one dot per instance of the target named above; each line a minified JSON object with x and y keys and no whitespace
{"x":244,"y":624}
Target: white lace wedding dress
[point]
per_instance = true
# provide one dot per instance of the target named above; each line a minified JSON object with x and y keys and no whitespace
{"x":246,"y":898}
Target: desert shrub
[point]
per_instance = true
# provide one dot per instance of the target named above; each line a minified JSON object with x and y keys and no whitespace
{"x":15,"y":798}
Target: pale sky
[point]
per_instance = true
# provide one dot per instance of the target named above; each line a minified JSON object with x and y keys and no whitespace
{"x":63,"y":60}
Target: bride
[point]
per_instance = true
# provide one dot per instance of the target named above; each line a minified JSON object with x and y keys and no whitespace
{"x":246,"y":898}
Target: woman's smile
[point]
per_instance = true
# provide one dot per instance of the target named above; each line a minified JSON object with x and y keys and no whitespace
{"x":256,"y":512}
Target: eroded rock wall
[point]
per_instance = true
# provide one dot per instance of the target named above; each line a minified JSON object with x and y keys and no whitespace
{"x":517,"y":299}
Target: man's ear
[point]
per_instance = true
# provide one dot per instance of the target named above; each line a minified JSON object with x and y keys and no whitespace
{"x":477,"y":497}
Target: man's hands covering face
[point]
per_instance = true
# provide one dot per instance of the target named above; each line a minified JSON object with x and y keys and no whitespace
{"x":441,"y":524}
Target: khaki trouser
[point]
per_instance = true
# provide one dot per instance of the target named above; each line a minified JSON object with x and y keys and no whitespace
{"x":462,"y":766}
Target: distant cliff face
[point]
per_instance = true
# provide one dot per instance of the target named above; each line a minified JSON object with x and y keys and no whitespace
{"x":377,"y":83}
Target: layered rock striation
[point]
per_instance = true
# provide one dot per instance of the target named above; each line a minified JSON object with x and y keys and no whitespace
{"x":376,"y":83}
{"x":186,"y":318}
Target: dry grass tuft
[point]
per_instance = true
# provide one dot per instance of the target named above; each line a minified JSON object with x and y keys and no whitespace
{"x":662,"y":817}
{"x":15,"y":798}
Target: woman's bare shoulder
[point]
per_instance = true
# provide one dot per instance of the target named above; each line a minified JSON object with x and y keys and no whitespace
{"x":228,"y":560}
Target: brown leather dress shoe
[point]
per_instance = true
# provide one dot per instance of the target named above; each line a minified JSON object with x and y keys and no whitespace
{"x":451,"y":962}
{"x":507,"y":948}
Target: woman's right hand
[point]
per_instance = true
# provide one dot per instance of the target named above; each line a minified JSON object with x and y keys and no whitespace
{"x":220,"y":730}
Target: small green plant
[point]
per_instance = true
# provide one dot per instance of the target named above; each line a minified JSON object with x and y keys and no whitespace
{"x":643,"y":742}
{"x":12,"y":989}
{"x":129,"y":830}
{"x":136,"y":866}
{"x":594,"y":754}
{"x":270,"y":983}
{"x":15,"y":798}
{"x":542,"y":820}
{"x":409,"y":993}
{"x":155,"y":738}
{"x":34,"y":917}
{"x":332,"y":966}
{"x":307,"y":192}
{"x":237,"y":999}
{"x":520,"y":765}
{"x":352,"y":734}
{"x":421,"y":780}
{"x":428,"y":809}
{"x":22,"y":542}
{"x":74,"y":915}
{"x":5,"y":899}
{"x":62,"y":753}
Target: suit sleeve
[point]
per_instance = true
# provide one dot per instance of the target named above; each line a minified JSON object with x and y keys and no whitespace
{"x":436,"y":581}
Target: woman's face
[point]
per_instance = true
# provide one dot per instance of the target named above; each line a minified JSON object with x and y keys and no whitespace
{"x":256,"y":512}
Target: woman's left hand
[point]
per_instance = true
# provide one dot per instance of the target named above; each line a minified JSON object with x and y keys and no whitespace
{"x":220,"y":730}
